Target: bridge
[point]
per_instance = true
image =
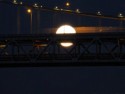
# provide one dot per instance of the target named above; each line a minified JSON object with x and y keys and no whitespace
{"x":43,"y":48}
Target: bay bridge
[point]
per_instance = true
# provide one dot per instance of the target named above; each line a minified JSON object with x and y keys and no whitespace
{"x":97,"y":44}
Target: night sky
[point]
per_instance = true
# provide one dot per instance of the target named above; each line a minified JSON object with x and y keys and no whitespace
{"x":8,"y":19}
{"x":62,"y":80}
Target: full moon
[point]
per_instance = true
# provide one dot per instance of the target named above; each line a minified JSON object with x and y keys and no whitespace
{"x":66,"y":29}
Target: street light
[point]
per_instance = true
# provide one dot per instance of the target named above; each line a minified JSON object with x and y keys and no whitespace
{"x":15,"y":1}
{"x":99,"y":21}
{"x":18,"y":20}
{"x":56,"y":8}
{"x":120,"y":15}
{"x":67,"y":4}
{"x":77,"y":11}
{"x":30,"y":12}
{"x":99,"y":13}
{"x":21,"y":3}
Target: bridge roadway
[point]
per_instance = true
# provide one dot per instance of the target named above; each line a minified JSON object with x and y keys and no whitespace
{"x":88,"y":49}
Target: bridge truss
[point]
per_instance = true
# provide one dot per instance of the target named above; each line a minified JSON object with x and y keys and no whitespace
{"x":45,"y":49}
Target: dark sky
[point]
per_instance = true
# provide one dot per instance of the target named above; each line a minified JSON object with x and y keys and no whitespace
{"x":61,"y":80}
{"x":8,"y":19}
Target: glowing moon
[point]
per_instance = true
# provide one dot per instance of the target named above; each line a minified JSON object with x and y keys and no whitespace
{"x":66,"y":29}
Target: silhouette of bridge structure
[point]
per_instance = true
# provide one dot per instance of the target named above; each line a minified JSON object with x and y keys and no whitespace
{"x":99,"y":48}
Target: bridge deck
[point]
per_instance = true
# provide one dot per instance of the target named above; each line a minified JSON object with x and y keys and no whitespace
{"x":89,"y":49}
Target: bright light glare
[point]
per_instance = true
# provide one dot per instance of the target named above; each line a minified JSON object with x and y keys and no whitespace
{"x":68,"y":44}
{"x":67,"y":4}
{"x":29,"y":10}
{"x":66,"y":29}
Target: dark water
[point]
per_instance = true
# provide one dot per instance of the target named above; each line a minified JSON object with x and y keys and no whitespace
{"x":62,"y":80}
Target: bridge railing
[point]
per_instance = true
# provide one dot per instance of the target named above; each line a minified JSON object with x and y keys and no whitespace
{"x":94,"y":47}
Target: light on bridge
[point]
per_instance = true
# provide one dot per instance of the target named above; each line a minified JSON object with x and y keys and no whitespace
{"x":35,"y":5}
{"x":120,"y":15}
{"x":77,"y":10}
{"x":29,"y":11}
{"x":99,"y":13}
{"x":15,"y":1}
{"x":41,"y":6}
{"x":21,"y":3}
{"x":56,"y":8}
{"x":67,"y":4}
